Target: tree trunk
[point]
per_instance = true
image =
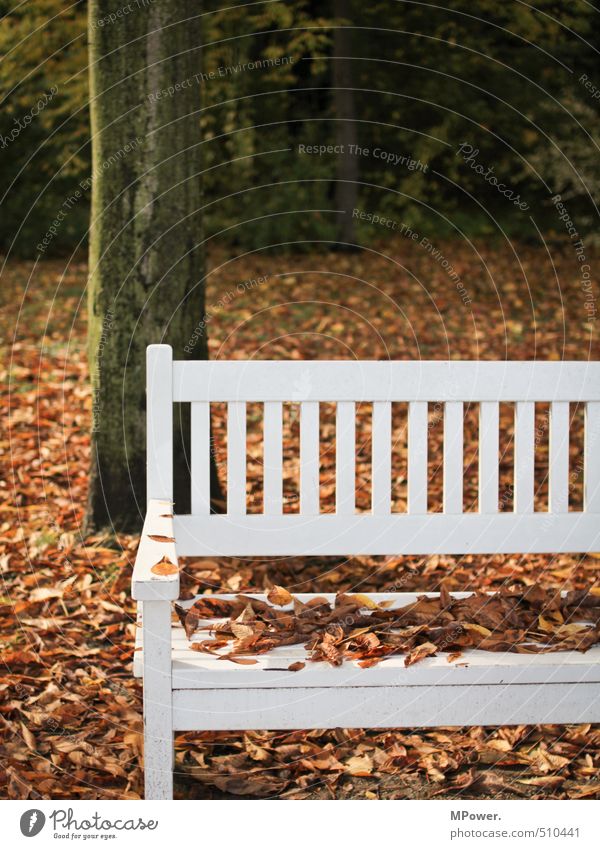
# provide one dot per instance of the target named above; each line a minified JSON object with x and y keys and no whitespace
{"x":346,"y":136}
{"x":146,"y":263}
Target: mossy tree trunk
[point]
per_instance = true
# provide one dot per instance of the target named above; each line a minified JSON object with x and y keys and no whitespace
{"x":146,"y":263}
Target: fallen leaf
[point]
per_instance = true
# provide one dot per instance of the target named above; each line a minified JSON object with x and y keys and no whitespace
{"x":364,"y":601}
{"x":279,"y":596}
{"x":543,"y":780}
{"x":45,"y":593}
{"x":164,"y":567}
{"x":359,"y":765}
{"x":419,"y":653}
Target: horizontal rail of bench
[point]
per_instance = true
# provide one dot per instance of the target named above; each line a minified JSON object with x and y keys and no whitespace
{"x":423,"y":380}
{"x":435,"y":533}
{"x":384,"y":707}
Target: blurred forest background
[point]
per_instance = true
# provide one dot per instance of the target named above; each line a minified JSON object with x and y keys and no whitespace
{"x":510,"y":80}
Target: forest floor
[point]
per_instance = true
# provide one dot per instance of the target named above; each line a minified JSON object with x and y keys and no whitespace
{"x":69,"y":708}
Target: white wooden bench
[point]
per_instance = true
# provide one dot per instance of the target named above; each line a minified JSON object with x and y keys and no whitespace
{"x":186,"y":690}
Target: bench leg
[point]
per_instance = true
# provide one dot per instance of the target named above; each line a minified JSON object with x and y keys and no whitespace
{"x":158,"y":766}
{"x":158,"y":713}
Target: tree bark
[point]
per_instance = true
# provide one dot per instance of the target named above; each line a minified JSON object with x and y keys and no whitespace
{"x":346,"y":136}
{"x":146,"y":264}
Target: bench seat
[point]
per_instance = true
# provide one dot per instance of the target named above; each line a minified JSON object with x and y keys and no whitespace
{"x":472,"y":689}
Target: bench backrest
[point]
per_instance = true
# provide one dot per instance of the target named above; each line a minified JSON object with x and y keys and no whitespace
{"x":448,"y":383}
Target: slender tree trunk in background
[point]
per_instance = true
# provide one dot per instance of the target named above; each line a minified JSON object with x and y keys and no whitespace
{"x":146,"y":267}
{"x":346,"y":135}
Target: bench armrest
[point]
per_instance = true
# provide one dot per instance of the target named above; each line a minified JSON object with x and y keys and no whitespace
{"x":156,"y":570}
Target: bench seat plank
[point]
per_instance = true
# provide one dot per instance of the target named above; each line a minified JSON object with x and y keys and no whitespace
{"x":197,"y":670}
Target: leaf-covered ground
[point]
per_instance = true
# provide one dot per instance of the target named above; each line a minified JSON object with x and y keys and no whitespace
{"x":70,"y":709}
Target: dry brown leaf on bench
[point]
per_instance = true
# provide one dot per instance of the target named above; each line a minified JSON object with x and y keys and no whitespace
{"x":419,"y":653}
{"x":279,"y":596}
{"x":243,"y":661}
{"x":164,"y":567}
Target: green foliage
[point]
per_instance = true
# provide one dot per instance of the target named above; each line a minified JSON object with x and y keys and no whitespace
{"x":569,"y":162}
{"x":268,"y":61}
{"x":501,"y":78}
{"x":44,"y":125}
{"x":485,"y":75}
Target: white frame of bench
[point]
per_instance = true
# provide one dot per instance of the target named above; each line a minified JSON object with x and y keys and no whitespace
{"x":453,"y":383}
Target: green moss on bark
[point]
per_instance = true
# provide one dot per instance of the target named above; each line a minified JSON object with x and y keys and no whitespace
{"x":146,"y":264}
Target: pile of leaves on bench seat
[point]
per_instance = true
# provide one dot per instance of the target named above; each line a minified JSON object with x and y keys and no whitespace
{"x":354,"y":627}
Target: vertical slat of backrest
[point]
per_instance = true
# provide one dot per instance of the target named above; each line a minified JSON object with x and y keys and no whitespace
{"x":489,"y":440}
{"x":273,"y":457}
{"x":453,"y":457}
{"x":381,"y":458}
{"x":417,"y":457}
{"x":558,"y":464}
{"x":524,"y":456}
{"x":591,"y":457}
{"x":201,"y":446}
{"x":159,"y":422}
{"x":236,"y":458}
{"x":345,"y":460}
{"x":309,"y":457}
